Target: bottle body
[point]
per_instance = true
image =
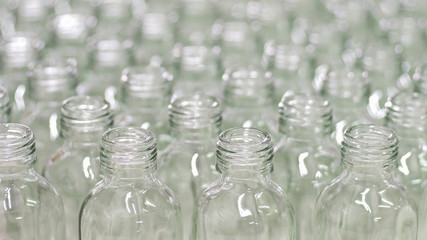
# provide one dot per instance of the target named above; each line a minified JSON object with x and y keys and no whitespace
{"x":366,"y":201}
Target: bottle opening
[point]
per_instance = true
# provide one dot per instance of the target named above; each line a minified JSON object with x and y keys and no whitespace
{"x":17,"y":143}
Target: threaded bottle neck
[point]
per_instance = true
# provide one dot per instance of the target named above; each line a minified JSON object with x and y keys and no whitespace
{"x":195,"y":118}
{"x":85,"y":119}
{"x":5,"y":106}
{"x":346,"y":89}
{"x":196,"y":59}
{"x":244,"y":150}
{"x":20,"y":50}
{"x":305,"y":116}
{"x":128,"y":153}
{"x":71,"y":29}
{"x":17,"y":148}
{"x":369,"y":147}
{"x":145,"y":87}
{"x":52,"y":80}
{"x":249,"y":87}
{"x":110,"y":52}
{"x":407,"y":114}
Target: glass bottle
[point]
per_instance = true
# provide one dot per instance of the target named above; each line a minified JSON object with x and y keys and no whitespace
{"x":244,"y":203}
{"x":187,"y":164}
{"x":306,"y":158}
{"x":32,"y":208}
{"x":143,"y":97}
{"x":407,"y":116}
{"x":348,"y":93}
{"x":49,"y":82}
{"x":109,"y":56}
{"x":197,"y":71}
{"x":17,"y":52}
{"x":366,"y":201}
{"x":5,"y":107}
{"x":130,"y":202}
{"x":248,"y":99}
{"x":74,"y":169}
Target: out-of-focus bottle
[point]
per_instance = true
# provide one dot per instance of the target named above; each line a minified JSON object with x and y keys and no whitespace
{"x":197,"y":71}
{"x":49,"y":82}
{"x":306,"y":159}
{"x":407,"y":116}
{"x":244,"y":203}
{"x":32,"y":208}
{"x":5,"y":106}
{"x":188,"y":164}
{"x":74,"y":169}
{"x":143,"y":98}
{"x":130,"y":202}
{"x":366,"y":201}
{"x":248,"y":99}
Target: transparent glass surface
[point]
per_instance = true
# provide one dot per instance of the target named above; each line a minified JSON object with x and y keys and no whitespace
{"x":366,"y":201}
{"x":130,"y":202}
{"x":243,"y":203}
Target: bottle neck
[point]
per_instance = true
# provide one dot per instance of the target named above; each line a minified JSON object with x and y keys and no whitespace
{"x":5,"y":106}
{"x":128,"y":154}
{"x":248,"y":88}
{"x":17,"y":148}
{"x":244,"y":153}
{"x":145,"y":88}
{"x":52,"y":81}
{"x":19,"y":51}
{"x":85,"y":119}
{"x":305,"y":117}
{"x":195,"y":118}
{"x":407,"y":115}
{"x":110,"y":52}
{"x":369,"y":149}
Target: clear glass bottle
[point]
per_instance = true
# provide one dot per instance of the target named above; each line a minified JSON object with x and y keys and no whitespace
{"x":109,"y":56}
{"x":32,"y":208}
{"x":366,"y":201}
{"x":116,"y":15}
{"x":49,"y":82}
{"x":130,"y":202}
{"x":248,"y":100}
{"x":407,"y":116}
{"x":188,"y":164}
{"x":197,"y":71}
{"x":74,"y":169}
{"x":348,"y":92}
{"x":143,"y":97}
{"x":5,"y":108}
{"x":244,"y":203}
{"x":17,"y":52}
{"x":306,"y":158}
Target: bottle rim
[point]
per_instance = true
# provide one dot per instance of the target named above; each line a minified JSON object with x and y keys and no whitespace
{"x":17,"y":144}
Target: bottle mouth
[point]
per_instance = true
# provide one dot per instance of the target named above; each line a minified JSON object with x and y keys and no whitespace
{"x":17,"y":143}
{"x":408,"y":111}
{"x":195,"y":112}
{"x":124,"y":147}
{"x":304,"y":112}
{"x":244,"y":148}
{"x":369,"y":144}
{"x":72,"y":26}
{"x":81,"y":114}
{"x":20,"y":49}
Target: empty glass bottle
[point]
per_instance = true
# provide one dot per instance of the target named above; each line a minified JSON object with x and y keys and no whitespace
{"x":407,"y":116}
{"x":244,"y":203}
{"x":306,"y":159}
{"x":49,"y":82}
{"x":366,"y":201}
{"x":187,"y":164}
{"x":32,"y":208}
{"x":130,"y":202}
{"x":74,"y":169}
{"x":248,"y":99}
{"x":143,"y":97}
{"x":5,"y":107}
